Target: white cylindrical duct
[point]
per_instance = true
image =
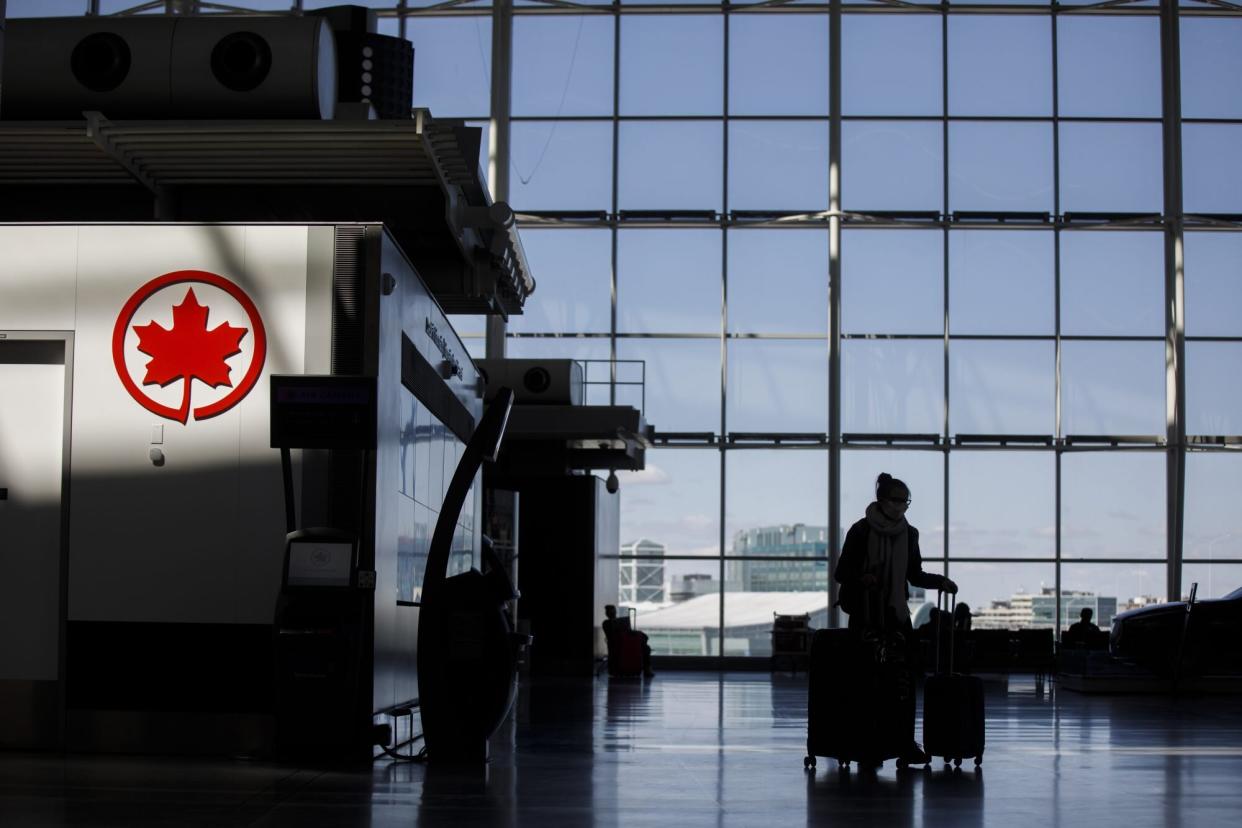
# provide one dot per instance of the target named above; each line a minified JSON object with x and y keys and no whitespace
{"x":164,"y":67}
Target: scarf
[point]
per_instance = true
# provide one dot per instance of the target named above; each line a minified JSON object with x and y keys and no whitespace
{"x":887,"y":555}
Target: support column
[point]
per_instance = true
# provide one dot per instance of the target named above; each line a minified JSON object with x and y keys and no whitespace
{"x":724,"y":340}
{"x":1174,"y":290}
{"x":612,"y":219}
{"x":498,"y":139}
{"x":2,"y":27}
{"x":834,"y":306}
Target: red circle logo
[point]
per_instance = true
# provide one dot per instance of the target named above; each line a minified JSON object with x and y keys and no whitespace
{"x":188,"y":350}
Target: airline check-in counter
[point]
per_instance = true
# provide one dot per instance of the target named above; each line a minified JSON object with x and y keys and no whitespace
{"x":143,"y":509}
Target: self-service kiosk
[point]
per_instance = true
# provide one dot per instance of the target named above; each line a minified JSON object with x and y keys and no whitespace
{"x":467,"y":649}
{"x":320,"y":617}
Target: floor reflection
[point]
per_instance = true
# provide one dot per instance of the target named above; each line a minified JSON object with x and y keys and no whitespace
{"x":953,"y":796}
{"x":692,"y":749}
{"x":861,"y":797}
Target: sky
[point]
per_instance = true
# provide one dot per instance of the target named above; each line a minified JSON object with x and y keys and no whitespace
{"x":673,"y":286}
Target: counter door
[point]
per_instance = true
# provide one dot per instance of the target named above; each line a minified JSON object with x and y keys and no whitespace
{"x":32,"y":422}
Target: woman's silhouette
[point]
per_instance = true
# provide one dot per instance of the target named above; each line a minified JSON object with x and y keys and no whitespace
{"x":879,"y":558}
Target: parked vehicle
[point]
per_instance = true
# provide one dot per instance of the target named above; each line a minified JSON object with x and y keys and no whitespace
{"x":1153,"y":636}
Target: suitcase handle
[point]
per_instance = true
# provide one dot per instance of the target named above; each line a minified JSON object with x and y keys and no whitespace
{"x":946,"y":601}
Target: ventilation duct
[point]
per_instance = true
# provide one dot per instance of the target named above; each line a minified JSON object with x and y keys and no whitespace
{"x":154,"y":68}
{"x":253,"y":67}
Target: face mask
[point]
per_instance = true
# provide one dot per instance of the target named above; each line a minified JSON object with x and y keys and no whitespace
{"x":892,"y":510}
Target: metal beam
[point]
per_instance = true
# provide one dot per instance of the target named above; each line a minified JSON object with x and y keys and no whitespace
{"x":1108,"y":8}
{"x":96,"y":130}
{"x":1174,"y":290}
{"x":613,"y":239}
{"x":945,"y":330}
{"x":834,"y":307}
{"x":1056,"y":291}
{"x":724,"y":339}
{"x":498,"y":153}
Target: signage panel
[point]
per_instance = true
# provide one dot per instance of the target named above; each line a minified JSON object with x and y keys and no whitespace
{"x":323,"y":412}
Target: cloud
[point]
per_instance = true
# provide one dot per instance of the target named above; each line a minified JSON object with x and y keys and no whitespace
{"x":971,"y":540}
{"x":681,"y":534}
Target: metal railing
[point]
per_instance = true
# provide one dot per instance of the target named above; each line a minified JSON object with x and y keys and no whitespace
{"x":629,"y":376}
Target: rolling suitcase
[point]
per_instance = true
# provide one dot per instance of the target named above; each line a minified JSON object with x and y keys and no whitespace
{"x":953,"y":723}
{"x":626,"y":660}
{"x":854,"y":701}
{"x":625,"y":655}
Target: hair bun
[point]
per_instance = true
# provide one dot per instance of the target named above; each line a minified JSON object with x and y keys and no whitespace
{"x":883,"y":478}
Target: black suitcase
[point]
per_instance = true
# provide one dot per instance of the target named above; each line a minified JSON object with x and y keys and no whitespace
{"x":854,"y":702}
{"x":953,"y":721}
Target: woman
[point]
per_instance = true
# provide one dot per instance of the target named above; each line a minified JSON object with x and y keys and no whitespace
{"x":879,"y":558}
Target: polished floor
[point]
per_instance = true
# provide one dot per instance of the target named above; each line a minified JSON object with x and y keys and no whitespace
{"x":694,"y":749}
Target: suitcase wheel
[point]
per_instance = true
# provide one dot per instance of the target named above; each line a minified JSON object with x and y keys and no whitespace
{"x":957,"y":763}
{"x":902,"y":764}
{"x":843,"y":765}
{"x":808,"y":763}
{"x":978,"y":761}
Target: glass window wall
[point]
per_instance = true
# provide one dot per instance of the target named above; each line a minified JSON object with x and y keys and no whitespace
{"x":1002,"y":284}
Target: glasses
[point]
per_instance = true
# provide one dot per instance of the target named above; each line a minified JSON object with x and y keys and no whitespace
{"x":903,"y":501}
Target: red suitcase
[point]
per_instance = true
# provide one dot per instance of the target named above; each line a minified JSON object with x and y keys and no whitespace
{"x":625,"y":653}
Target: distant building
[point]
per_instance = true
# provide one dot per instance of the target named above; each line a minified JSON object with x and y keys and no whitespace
{"x":919,"y":604}
{"x":693,"y":627}
{"x":1073,"y":602}
{"x":1038,"y":611}
{"x":642,"y":579}
{"x":1141,"y":601}
{"x":1012,"y":614}
{"x":685,"y":587}
{"x":785,"y":541}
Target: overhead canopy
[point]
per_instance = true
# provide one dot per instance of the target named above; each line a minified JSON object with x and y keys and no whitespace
{"x":419,"y":176}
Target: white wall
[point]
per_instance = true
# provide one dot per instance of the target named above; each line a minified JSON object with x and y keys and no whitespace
{"x":199,"y":539}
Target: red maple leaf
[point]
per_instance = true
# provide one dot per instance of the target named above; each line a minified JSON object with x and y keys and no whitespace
{"x":188,"y":351}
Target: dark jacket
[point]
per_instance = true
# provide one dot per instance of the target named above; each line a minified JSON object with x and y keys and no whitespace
{"x":854,"y":557}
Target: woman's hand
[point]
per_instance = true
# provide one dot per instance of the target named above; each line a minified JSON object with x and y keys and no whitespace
{"x":949,"y":587}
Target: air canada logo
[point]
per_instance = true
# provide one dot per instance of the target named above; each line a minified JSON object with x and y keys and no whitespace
{"x":189,"y":342}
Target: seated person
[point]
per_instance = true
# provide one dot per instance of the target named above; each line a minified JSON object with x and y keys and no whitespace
{"x":1082,"y":632}
{"x":614,"y":630}
{"x":962,"y":617}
